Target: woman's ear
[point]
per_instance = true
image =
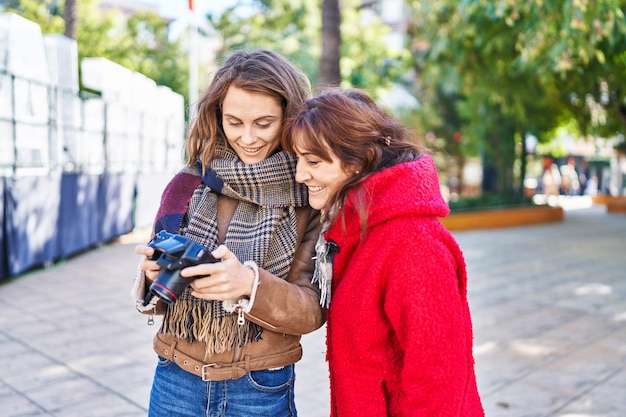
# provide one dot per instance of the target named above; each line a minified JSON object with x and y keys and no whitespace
{"x":352,"y":169}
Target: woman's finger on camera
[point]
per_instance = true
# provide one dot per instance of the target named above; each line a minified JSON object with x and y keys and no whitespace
{"x":222,"y":252}
{"x":148,"y":265}
{"x":200,"y":270}
{"x":212,"y":288}
{"x":224,"y":257}
{"x":151,"y":274}
{"x":145,"y":250}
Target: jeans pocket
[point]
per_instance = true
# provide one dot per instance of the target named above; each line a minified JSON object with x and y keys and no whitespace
{"x":272,"y":380}
{"x":161,"y":361}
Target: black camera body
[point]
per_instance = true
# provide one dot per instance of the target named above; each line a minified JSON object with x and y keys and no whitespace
{"x":174,"y":252}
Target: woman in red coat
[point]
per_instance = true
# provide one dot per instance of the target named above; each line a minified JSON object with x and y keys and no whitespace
{"x":399,"y":332}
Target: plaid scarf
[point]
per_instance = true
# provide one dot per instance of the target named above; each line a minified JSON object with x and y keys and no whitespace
{"x":263,"y":229}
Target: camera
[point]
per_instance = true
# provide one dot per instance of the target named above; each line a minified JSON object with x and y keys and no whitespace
{"x":174,"y":252}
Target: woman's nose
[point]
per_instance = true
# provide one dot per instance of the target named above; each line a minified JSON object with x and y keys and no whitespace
{"x":301,"y":173}
{"x":247,"y":137}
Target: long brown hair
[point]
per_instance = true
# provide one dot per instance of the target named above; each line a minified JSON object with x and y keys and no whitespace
{"x":348,"y":124}
{"x":261,"y":71}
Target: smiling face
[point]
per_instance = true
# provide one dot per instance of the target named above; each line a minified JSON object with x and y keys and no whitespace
{"x":323,"y":178}
{"x":252,"y":123}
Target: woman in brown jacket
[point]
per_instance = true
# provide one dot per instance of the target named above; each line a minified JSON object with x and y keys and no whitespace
{"x":227,"y":345}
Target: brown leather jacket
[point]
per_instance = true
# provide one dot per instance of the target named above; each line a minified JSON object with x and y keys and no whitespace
{"x":286,"y":309}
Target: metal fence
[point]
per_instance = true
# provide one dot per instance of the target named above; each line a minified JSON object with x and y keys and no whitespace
{"x":46,"y":128}
{"x":77,"y":169}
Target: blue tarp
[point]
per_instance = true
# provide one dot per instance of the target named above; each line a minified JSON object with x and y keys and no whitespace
{"x":31,"y":215}
{"x":78,"y":218}
{"x":47,"y":218}
{"x":116,"y":201}
{"x":4,"y":265}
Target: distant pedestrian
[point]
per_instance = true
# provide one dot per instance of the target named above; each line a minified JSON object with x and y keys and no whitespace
{"x":570,"y":183}
{"x":591,"y":188}
{"x":583,"y":176}
{"x":399,"y":331}
{"x":551,"y":179}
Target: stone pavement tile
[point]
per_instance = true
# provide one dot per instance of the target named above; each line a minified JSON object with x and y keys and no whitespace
{"x":596,"y":360}
{"x":584,"y":380}
{"x":540,"y":320}
{"x":606,"y":399}
{"x":132,"y":382}
{"x":589,"y":297}
{"x":14,"y":318}
{"x":495,"y":370}
{"x":13,"y":403}
{"x":37,"y":375}
{"x":312,"y":385}
{"x":541,"y":393}
{"x":104,"y":405}
{"x":60,"y":394}
{"x":527,"y":325}
{"x":487,"y":312}
{"x":580,"y":332}
{"x":521,"y":399}
{"x":74,"y":348}
{"x":616,"y":341}
{"x":32,"y":327}
{"x":17,"y":358}
{"x":95,"y":364}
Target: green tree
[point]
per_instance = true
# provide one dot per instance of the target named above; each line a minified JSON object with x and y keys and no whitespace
{"x":46,"y":13}
{"x":139,"y":43}
{"x":147,"y":49}
{"x":294,"y":27}
{"x":290,"y":27}
{"x":517,"y":68}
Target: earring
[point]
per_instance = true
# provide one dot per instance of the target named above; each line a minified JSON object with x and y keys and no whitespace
{"x":356,"y":172}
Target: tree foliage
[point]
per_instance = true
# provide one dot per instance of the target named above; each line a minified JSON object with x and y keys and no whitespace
{"x":293,"y":27}
{"x":290,"y":27}
{"x":516,"y":68}
{"x":139,"y":42}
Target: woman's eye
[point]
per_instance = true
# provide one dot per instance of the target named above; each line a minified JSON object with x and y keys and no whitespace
{"x":312,"y":162}
{"x":233,"y":123}
{"x":264,"y":125}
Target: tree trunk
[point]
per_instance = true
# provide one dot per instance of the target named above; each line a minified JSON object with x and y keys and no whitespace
{"x":69,"y":14}
{"x":523,"y":163}
{"x":331,"y":44}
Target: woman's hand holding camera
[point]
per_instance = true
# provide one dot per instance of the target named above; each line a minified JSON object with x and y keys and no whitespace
{"x":150,"y":268}
{"x":225,"y":280}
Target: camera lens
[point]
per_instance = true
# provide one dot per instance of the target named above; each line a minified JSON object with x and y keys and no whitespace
{"x":169,"y":285}
{"x":163,"y":293}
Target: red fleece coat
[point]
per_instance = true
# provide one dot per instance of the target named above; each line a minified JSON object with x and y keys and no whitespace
{"x":399,"y":332}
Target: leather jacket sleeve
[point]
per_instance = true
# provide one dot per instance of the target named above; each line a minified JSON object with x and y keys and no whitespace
{"x":292,"y":306}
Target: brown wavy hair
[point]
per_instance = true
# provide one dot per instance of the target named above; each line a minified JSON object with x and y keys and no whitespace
{"x":348,"y":124}
{"x":260,"y":71}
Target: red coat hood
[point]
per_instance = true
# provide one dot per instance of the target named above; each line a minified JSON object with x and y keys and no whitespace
{"x":408,"y":189}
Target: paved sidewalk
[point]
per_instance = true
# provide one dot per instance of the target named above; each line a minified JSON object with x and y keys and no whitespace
{"x":548,"y":304}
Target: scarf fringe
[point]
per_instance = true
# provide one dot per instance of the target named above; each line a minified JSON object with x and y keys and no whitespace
{"x":197,"y":320}
{"x":323,"y":274}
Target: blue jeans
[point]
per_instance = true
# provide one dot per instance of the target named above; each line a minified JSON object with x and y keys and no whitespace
{"x":178,"y":393}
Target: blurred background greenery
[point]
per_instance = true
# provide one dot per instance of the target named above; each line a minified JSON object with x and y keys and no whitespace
{"x":498,"y":89}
